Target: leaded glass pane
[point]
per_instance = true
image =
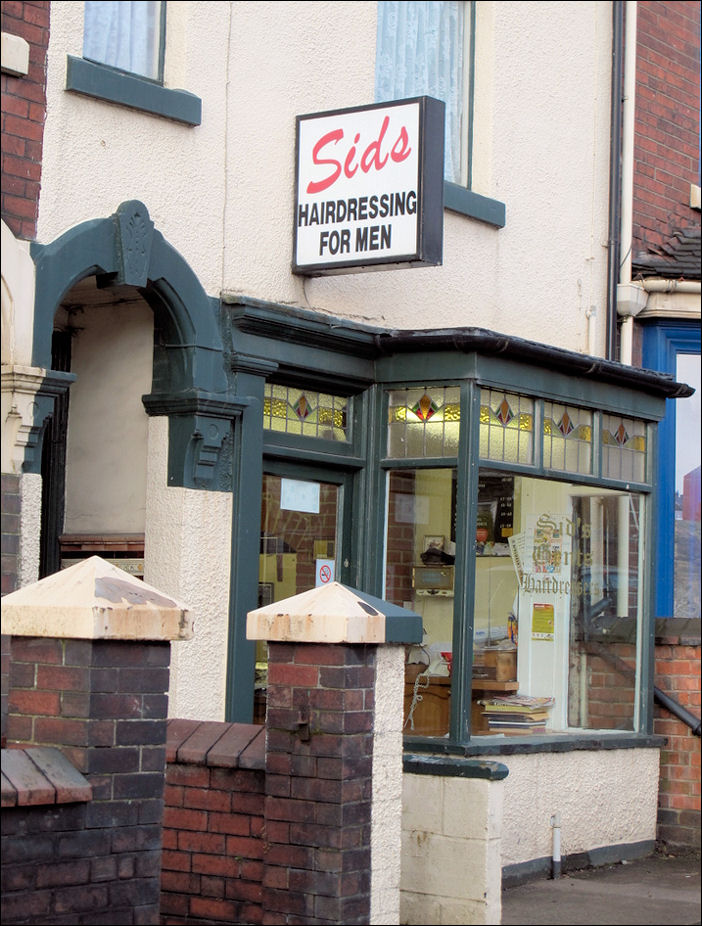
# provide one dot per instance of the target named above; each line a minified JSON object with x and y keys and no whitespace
{"x":623,"y":448}
{"x":309,"y":414}
{"x":424,"y":421}
{"x":506,"y":427}
{"x":567,"y":438}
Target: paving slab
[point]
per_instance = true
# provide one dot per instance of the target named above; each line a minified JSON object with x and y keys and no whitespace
{"x":661,"y":890}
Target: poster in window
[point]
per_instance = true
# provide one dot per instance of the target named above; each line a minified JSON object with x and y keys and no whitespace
{"x":542,"y":622}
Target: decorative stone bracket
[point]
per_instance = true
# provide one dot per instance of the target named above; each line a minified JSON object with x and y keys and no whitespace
{"x":28,"y":395}
{"x":199,"y":438}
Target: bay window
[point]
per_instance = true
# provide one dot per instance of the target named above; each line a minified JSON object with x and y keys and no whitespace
{"x":527,"y":569}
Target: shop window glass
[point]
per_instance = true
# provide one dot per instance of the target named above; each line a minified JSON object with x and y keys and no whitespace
{"x":125,"y":35}
{"x":686,"y":586}
{"x":424,"y":422}
{"x":306,"y":413}
{"x":506,"y":427}
{"x":420,"y":557}
{"x":623,"y":448}
{"x":422,"y":49}
{"x":557,"y":617}
{"x":567,"y":438}
{"x":557,"y":602}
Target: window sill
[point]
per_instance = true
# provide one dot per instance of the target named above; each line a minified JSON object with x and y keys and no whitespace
{"x":466,"y":202}
{"x":567,"y":742}
{"x":106,"y":83}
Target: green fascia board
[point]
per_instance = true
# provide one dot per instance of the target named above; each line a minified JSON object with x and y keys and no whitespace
{"x":522,"y":358}
{"x":301,"y":326}
{"x":566,"y":387}
{"x":311,"y":341}
{"x":310,"y":367}
{"x":466,"y":202}
{"x":105,"y":83}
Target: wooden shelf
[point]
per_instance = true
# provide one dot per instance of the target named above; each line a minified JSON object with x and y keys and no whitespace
{"x":489,"y":684}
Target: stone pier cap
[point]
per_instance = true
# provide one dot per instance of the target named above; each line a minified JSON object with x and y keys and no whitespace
{"x":95,"y":600}
{"x":334,"y":613}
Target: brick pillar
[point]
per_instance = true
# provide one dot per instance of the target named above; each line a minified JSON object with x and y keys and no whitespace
{"x":100,"y":696}
{"x":327,"y":717}
{"x":318,"y":783}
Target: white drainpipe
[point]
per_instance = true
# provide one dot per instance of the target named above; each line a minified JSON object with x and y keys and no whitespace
{"x":626,"y":305}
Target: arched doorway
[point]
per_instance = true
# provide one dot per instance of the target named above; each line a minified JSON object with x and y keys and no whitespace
{"x":148,"y":432}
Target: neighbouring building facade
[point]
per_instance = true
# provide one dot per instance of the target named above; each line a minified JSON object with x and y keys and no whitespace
{"x":478,"y":433}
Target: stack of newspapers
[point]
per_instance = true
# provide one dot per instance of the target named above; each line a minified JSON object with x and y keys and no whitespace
{"x":516,"y":714}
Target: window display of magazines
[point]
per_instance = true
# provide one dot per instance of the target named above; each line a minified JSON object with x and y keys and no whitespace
{"x":516,"y":713}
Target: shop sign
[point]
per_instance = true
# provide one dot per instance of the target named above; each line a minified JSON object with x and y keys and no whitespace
{"x":369,"y":188}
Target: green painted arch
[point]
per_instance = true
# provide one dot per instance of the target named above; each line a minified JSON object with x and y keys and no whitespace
{"x":104,"y":248}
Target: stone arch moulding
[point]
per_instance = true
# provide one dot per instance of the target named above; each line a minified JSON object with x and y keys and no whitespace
{"x":189,"y":378}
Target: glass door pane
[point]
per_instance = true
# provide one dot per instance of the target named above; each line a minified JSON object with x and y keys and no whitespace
{"x":300,"y":521}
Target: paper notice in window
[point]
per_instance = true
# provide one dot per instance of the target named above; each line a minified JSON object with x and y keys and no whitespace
{"x":542,"y":623}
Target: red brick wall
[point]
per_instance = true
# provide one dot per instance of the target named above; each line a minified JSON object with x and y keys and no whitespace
{"x":666,"y":148}
{"x":678,"y":675}
{"x":610,"y":688}
{"x":212,"y":866}
{"x":23,"y":115}
{"x":212,"y":846}
{"x":103,"y":704}
{"x":610,"y":706}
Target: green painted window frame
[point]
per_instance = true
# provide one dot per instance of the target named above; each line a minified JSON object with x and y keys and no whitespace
{"x":111,"y":85}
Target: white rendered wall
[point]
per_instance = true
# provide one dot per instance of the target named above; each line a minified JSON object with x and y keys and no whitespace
{"x":604,"y":798}
{"x":187,"y":555}
{"x":112,"y":358}
{"x":458,"y":833}
{"x":97,"y":155}
{"x":222,"y":192}
{"x":386,"y":816}
{"x":30,"y":528}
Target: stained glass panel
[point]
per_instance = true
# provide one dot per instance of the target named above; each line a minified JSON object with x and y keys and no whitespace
{"x":623,"y":448}
{"x":309,"y":414}
{"x":567,"y":438}
{"x":506,"y":427}
{"x":424,"y":421}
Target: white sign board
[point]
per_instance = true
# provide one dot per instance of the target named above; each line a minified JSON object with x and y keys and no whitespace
{"x":370,"y":188}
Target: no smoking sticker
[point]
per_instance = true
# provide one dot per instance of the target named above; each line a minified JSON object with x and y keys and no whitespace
{"x":324,"y":572}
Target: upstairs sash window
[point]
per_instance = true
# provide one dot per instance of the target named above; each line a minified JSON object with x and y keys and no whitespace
{"x":422,"y":50}
{"x":125,"y":35}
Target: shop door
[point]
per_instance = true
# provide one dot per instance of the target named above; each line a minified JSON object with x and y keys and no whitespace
{"x":303,"y":544}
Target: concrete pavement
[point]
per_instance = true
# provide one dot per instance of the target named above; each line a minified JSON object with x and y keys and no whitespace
{"x":662,"y":890}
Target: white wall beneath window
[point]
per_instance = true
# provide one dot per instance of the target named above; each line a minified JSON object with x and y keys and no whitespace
{"x":222,"y":192}
{"x":604,"y":798}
